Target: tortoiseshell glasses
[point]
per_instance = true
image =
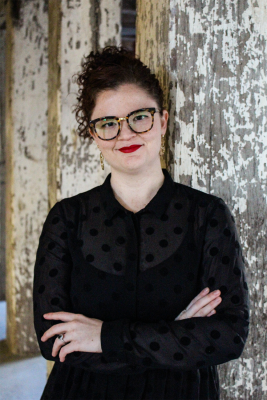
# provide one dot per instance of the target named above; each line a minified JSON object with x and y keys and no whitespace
{"x":139,"y":121}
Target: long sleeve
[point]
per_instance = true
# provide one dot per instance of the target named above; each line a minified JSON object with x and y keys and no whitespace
{"x":137,"y":272}
{"x":195,"y":342}
{"x":52,"y":288}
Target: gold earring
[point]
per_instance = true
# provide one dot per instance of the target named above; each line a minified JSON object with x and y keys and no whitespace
{"x":102,"y":161}
{"x":162,"y":147}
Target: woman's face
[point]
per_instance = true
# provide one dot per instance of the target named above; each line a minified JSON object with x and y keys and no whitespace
{"x":120,"y":102}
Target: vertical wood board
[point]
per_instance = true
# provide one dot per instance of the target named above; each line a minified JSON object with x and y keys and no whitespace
{"x":214,"y":58}
{"x":218,"y":142}
{"x":2,"y":153}
{"x":78,"y":160}
{"x":152,"y":27}
{"x":26,"y":164}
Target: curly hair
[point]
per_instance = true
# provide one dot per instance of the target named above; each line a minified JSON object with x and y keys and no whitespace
{"x":108,"y":69}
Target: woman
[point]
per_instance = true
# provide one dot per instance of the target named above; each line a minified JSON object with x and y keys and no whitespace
{"x":118,"y":266}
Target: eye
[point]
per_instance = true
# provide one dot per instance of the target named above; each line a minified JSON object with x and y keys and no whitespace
{"x":109,"y":124}
{"x":140,"y":117}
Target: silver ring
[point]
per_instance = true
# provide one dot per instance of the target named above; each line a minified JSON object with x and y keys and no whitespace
{"x":61,"y":337}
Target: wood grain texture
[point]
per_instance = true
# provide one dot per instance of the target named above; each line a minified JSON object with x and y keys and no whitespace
{"x":2,"y":152}
{"x":152,"y":36}
{"x":217,"y":74}
{"x":54,"y":109}
{"x":26,"y":143}
{"x":78,"y":160}
{"x":83,"y":26}
{"x":110,"y":23}
{"x":152,"y":33}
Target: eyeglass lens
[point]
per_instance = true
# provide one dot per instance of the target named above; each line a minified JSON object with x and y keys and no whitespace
{"x":139,"y":122}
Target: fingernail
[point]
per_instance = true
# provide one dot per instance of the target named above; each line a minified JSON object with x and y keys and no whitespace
{"x":218,"y":300}
{"x":216,"y":292}
{"x":205,"y":290}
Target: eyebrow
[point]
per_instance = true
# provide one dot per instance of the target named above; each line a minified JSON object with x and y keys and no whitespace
{"x":114,"y":116}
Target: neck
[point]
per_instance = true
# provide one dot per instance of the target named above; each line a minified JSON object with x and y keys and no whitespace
{"x":135,"y":191}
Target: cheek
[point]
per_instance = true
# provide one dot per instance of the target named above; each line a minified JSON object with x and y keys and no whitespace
{"x":155,"y":138}
{"x":105,"y":147}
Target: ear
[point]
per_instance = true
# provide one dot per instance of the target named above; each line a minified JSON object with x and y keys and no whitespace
{"x":164,"y":121}
{"x":91,"y":133}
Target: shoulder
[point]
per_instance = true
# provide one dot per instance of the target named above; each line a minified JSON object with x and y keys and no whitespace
{"x":203,"y":205}
{"x":80,"y":198}
{"x":197,"y":196}
{"x":77,"y":207}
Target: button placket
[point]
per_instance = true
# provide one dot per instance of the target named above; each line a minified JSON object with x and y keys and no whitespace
{"x":131,"y":268}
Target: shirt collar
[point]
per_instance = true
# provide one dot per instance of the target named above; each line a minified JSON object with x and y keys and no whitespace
{"x":157,"y":205}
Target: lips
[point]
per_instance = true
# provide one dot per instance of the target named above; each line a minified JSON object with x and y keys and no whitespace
{"x":130,"y":149}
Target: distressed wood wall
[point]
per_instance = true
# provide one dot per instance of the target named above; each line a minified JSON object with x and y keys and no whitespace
{"x":76,"y":28}
{"x":2,"y":151}
{"x":211,"y":58}
{"x":46,"y":161}
{"x":26,"y":165}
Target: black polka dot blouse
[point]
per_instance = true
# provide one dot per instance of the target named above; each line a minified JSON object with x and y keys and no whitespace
{"x":137,"y":272}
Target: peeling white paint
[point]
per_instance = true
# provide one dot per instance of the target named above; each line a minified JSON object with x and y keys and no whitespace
{"x":218,"y":141}
{"x":110,"y":25}
{"x":28,"y":97}
{"x":2,"y":155}
{"x":79,"y":166}
{"x":79,"y":163}
{"x":215,"y":58}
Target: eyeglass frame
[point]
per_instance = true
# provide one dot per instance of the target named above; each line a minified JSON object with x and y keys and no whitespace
{"x":152,"y":111}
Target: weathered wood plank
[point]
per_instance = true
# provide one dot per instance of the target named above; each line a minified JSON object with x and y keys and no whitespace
{"x":2,"y":152}
{"x":152,"y":36}
{"x":78,"y":160}
{"x":110,"y":23}
{"x":220,"y":144}
{"x":83,"y":26}
{"x":217,"y":75}
{"x":26,"y":143}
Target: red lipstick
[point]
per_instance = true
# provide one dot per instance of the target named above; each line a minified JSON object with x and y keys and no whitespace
{"x":130,"y":149}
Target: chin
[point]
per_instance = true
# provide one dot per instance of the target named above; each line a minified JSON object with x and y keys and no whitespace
{"x":130,"y":166}
{"x":135,"y":166}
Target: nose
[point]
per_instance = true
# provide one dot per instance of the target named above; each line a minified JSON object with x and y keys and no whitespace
{"x":125,"y":131}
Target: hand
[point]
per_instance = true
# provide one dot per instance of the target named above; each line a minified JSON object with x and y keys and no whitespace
{"x":80,"y":334}
{"x":202,"y":305}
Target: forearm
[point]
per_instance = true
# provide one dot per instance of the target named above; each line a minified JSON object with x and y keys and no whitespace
{"x":186,"y":344}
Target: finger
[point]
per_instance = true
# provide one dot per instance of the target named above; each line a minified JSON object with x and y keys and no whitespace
{"x":55,"y":330}
{"x":204,"y":312}
{"x":69,"y":348}
{"x":58,"y":343}
{"x":180,"y":316}
{"x":60,"y":316}
{"x":56,"y":347}
{"x":203,"y":293}
{"x":211,"y":313}
{"x":199,"y":304}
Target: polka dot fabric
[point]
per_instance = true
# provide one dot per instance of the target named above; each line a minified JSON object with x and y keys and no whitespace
{"x":137,"y":272}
